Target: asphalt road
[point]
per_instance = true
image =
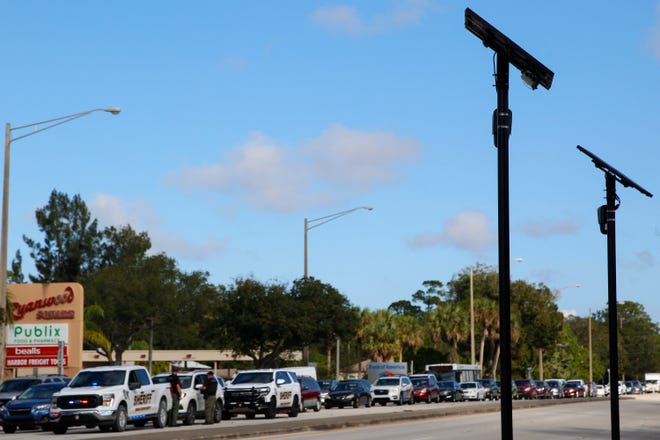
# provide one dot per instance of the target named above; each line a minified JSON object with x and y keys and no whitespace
{"x":564,"y":419}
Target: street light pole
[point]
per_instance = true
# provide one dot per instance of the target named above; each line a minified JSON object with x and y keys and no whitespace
{"x":314,"y":223}
{"x":49,"y":123}
{"x":472,"y":354}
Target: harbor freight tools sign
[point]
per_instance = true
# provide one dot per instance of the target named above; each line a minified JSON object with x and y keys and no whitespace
{"x":35,"y":356}
{"x":44,"y":317}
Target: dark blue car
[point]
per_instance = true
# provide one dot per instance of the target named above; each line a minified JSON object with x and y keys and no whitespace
{"x":30,"y":408}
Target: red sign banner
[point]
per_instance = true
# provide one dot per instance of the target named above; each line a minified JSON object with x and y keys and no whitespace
{"x":17,"y":362}
{"x":34,"y":351}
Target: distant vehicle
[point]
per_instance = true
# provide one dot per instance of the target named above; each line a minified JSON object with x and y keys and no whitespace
{"x":11,"y":388}
{"x":310,"y":392}
{"x":473,"y":391}
{"x":30,"y":409}
{"x":575,"y":388}
{"x":542,"y":389}
{"x":526,"y":389}
{"x":266,"y":392}
{"x":634,"y":387}
{"x":600,"y":391}
{"x":652,"y":386}
{"x":425,"y":388}
{"x":492,"y":388}
{"x":326,"y":385}
{"x":450,"y":390}
{"x":555,"y":388}
{"x":458,"y":372}
{"x":192,"y":402}
{"x":352,"y":392}
{"x":395,"y":389}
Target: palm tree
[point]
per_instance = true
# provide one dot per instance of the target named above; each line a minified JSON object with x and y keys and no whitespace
{"x":378,"y":335}
{"x":449,"y":325}
{"x":409,"y":333}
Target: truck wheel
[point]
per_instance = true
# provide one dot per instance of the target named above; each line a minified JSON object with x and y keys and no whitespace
{"x":189,"y":418}
{"x":295,"y":408}
{"x":161,"y":416}
{"x":9,"y":429}
{"x":317,"y":405}
{"x":272,"y":409}
{"x":121,"y":418}
{"x":59,"y":429}
{"x":217,"y":415}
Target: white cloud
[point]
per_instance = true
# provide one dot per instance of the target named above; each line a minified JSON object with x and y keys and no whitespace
{"x":112,"y":211}
{"x":546,"y":228}
{"x":347,"y":20}
{"x":359,"y":160}
{"x":317,"y":172}
{"x":654,"y":39}
{"x":468,"y":230}
{"x":645,"y":259}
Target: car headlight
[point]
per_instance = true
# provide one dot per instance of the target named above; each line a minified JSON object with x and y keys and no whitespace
{"x":42,"y":407}
{"x":350,"y":396}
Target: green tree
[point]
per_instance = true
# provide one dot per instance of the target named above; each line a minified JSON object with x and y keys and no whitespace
{"x":15,"y":275}
{"x":69,"y":251}
{"x":378,"y":335}
{"x":430,"y":297}
{"x":132,"y":296}
{"x":259,"y":320}
{"x":323,"y":314}
{"x":449,"y":325}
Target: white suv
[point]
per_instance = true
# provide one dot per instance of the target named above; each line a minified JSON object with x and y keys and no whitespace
{"x":264,"y":392}
{"x":396,"y":389}
{"x":191,"y":405}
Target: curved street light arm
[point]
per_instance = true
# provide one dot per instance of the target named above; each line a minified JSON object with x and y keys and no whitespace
{"x":331,"y":217}
{"x":59,"y":121}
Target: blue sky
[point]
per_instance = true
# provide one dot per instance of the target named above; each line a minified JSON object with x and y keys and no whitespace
{"x":241,"y":119}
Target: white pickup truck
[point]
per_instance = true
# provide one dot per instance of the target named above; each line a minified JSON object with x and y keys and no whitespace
{"x":266,"y":392}
{"x":110,"y":398}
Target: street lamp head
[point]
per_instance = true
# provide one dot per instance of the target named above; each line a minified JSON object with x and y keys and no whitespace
{"x":369,"y":208}
{"x":113,"y":110}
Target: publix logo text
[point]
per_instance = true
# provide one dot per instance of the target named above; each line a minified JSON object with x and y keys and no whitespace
{"x":20,"y":334}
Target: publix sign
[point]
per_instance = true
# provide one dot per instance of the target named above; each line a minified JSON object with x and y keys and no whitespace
{"x":37,"y":334}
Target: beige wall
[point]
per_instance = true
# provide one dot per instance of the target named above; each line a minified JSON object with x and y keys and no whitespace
{"x":42,"y":314}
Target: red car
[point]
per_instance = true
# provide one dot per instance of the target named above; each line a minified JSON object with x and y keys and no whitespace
{"x":310,"y":393}
{"x":425,"y":388}
{"x":526,"y":389}
{"x":575,"y":388}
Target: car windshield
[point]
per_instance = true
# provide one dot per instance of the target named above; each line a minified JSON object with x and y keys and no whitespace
{"x":390,"y":381}
{"x":465,"y":385}
{"x":253,"y":377}
{"x":40,"y":392}
{"x":522,"y":382}
{"x":572,"y":384}
{"x":98,"y":378}
{"x":326,"y":384}
{"x":347,"y":386}
{"x":17,"y":385}
{"x":420,"y":382}
{"x":446,"y":384}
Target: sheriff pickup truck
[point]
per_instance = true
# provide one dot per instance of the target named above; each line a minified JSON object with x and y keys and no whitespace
{"x":110,"y":398}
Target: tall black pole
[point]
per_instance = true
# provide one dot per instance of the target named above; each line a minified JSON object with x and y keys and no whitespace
{"x":502,"y":130}
{"x":610,"y":195}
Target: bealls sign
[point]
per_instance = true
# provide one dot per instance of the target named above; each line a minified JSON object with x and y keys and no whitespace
{"x":37,"y":334}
